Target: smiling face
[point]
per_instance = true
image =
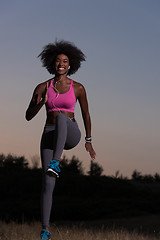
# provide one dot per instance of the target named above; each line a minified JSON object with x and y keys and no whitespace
{"x":62,"y":64}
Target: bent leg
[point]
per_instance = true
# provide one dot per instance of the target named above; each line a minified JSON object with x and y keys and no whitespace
{"x":73,"y":135}
{"x":67,"y":135}
{"x":61,"y":135}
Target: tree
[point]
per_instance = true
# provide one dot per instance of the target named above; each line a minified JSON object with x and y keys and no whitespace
{"x":136,"y":175}
{"x":11,"y":161}
{"x":2,"y":158}
{"x":157,"y":177}
{"x":95,"y":169}
{"x":73,"y":166}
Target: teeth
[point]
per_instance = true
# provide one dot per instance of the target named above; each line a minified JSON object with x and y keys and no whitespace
{"x":61,"y":68}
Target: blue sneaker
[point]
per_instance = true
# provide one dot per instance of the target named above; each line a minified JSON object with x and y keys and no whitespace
{"x":53,"y":169}
{"x":45,"y":234}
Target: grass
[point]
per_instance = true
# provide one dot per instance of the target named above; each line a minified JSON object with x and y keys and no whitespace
{"x":130,"y":229}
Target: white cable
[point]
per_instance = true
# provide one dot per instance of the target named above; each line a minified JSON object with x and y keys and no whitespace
{"x":57,"y":95}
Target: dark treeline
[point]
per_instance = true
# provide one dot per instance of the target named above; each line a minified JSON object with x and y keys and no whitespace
{"x":72,"y":167}
{"x":77,"y":196}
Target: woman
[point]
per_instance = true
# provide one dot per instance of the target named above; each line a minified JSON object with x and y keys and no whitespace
{"x":59,"y":95}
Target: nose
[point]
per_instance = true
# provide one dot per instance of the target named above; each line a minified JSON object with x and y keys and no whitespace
{"x":60,"y":63}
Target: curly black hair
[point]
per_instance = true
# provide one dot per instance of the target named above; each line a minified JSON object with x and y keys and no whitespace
{"x":50,"y":52}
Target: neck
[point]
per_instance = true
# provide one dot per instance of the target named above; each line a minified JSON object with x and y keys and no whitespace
{"x":60,"y":78}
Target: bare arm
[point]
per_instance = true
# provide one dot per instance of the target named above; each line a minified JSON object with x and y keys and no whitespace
{"x":39,"y":98}
{"x":82,"y":98}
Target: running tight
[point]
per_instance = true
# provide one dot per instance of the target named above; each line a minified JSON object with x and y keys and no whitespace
{"x":64,"y":134}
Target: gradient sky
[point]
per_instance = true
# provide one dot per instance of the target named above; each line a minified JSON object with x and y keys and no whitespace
{"x":121,"y":39}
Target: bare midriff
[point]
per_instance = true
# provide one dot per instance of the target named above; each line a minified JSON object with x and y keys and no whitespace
{"x":51,"y":116}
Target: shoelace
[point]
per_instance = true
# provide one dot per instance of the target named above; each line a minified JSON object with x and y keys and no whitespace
{"x":45,"y":235}
{"x":54,"y":164}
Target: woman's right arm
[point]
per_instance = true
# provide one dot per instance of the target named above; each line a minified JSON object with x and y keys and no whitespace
{"x":39,"y":98}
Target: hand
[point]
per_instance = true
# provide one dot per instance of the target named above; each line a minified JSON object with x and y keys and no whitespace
{"x":45,"y":97}
{"x":90,"y":149}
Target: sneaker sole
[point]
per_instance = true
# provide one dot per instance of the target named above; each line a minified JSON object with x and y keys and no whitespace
{"x":50,"y":172}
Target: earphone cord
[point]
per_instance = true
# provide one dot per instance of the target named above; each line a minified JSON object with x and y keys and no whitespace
{"x":56,"y":98}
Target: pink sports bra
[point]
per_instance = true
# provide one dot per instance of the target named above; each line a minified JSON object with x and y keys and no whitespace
{"x":61,"y":102}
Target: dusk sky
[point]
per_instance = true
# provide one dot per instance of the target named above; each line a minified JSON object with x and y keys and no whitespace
{"x":121,"y":40}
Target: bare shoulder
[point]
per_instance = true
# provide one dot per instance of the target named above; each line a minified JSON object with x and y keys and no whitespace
{"x":78,"y":88}
{"x":78,"y":85}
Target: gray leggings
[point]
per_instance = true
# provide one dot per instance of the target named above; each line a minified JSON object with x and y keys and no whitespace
{"x":65,"y":134}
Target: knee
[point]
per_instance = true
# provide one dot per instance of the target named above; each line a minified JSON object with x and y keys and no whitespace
{"x":74,"y":140}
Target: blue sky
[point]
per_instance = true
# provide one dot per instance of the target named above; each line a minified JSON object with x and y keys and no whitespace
{"x":121,"y":75}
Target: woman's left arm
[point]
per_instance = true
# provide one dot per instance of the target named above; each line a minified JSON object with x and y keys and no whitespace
{"x":82,"y":98}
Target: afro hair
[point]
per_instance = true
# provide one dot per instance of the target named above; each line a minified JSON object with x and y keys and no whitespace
{"x":50,"y":52}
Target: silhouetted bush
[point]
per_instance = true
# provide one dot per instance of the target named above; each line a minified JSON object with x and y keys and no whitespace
{"x":11,"y":161}
{"x":71,"y":167}
{"x":147,"y":178}
{"x":76,"y":196}
{"x":136,"y":175}
{"x":95,"y":169}
{"x":157,"y":177}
